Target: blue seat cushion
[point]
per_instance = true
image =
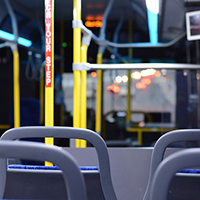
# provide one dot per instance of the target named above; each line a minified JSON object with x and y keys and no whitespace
{"x":38,"y":167}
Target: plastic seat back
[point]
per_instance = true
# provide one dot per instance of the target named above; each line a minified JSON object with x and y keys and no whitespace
{"x":73,"y":178}
{"x":160,"y":146}
{"x":167,"y":169}
{"x":76,"y":133}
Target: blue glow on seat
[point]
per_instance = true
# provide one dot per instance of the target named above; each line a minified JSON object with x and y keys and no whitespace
{"x":11,"y":37}
{"x":153,"y":26}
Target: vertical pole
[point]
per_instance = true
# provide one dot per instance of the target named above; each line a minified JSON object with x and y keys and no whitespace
{"x":49,"y":67}
{"x":84,"y":49}
{"x":99,"y":95}
{"x":76,"y":59}
{"x":16,"y":86}
{"x":62,"y":30}
{"x":42,"y":94}
{"x":130,"y":52}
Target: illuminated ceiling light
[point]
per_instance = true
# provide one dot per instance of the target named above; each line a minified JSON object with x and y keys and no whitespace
{"x":118,"y":79}
{"x":99,"y":17}
{"x":98,"y":23}
{"x":91,"y":24}
{"x":113,"y":88}
{"x":152,"y":13}
{"x":90,"y":17}
{"x":11,"y":37}
{"x":93,"y":74}
{"x":153,"y":6}
{"x":147,"y":81}
{"x":157,"y":74}
{"x":144,"y":73}
{"x":148,"y":72}
{"x":88,"y":24}
{"x":125,"y":79}
{"x":151,"y":71}
{"x":136,"y":75}
{"x":140,"y":85}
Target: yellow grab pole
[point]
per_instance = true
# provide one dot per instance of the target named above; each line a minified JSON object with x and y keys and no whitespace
{"x":49,"y":67}
{"x":84,"y":49}
{"x":99,"y":95}
{"x":76,"y":59}
{"x":130,"y":52}
{"x":128,"y":115}
{"x":16,"y":85}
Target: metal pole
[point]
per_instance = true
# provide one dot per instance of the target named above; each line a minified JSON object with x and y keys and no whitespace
{"x":16,"y":86}
{"x":77,"y":74}
{"x":141,"y":66}
{"x":130,"y":52}
{"x":13,"y":19}
{"x":84,"y":49}
{"x":105,"y":43}
{"x":101,"y":50}
{"x":99,"y":95}
{"x":49,"y":67}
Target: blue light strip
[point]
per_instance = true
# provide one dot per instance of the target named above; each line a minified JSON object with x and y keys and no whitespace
{"x":153,"y":26}
{"x":11,"y":37}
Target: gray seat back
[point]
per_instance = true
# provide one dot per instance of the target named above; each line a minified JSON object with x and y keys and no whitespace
{"x":76,"y":133}
{"x":168,"y":167}
{"x":73,"y":178}
{"x":160,"y":146}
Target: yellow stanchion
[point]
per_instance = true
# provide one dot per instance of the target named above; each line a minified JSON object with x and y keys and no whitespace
{"x":84,"y":49}
{"x":99,"y":95}
{"x":130,"y":52}
{"x":128,"y":113}
{"x":16,"y":86}
{"x":76,"y":59}
{"x":49,"y":68}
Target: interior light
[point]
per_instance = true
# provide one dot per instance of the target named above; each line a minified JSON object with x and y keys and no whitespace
{"x":147,"y":81}
{"x":64,"y":44}
{"x":114,"y":88}
{"x":140,"y":85}
{"x":24,"y":42}
{"x":99,"y":17}
{"x":93,"y":74}
{"x":157,"y":74}
{"x":152,"y":13}
{"x":6,"y":35}
{"x":90,"y":17}
{"x":153,"y":6}
{"x":136,"y":75}
{"x":125,"y":79}
{"x":91,"y":24}
{"x":118,"y":79}
{"x":11,"y":37}
{"x":148,"y":72}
